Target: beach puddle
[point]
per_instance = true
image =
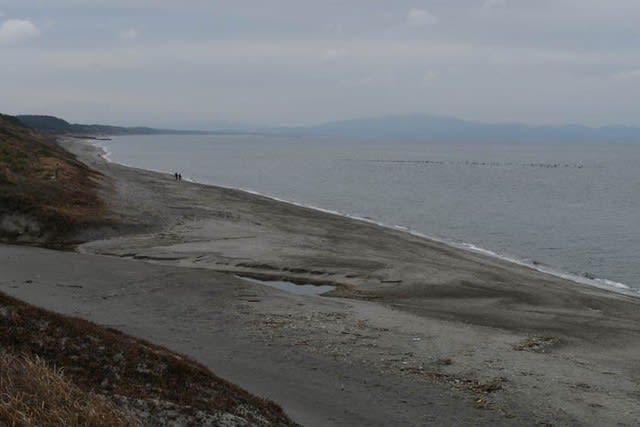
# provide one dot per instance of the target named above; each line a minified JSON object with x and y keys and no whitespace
{"x":293,"y":288}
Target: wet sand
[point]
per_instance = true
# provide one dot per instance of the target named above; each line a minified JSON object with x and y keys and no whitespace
{"x":416,"y":332}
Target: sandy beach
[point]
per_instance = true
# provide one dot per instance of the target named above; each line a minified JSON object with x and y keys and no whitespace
{"x":415,"y":333}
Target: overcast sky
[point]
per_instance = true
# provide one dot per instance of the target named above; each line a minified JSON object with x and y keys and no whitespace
{"x":190,"y":63}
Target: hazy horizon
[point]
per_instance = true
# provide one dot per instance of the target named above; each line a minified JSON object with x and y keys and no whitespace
{"x":199,"y":64}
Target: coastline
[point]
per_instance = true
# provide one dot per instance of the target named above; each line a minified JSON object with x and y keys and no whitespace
{"x":417,"y":333}
{"x":602,"y":283}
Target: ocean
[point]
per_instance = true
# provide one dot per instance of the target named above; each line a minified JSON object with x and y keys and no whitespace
{"x":569,"y":208}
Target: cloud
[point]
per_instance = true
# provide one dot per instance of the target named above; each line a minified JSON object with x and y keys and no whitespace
{"x":430,"y":76}
{"x":421,"y":17}
{"x":129,"y":34}
{"x":377,"y":78}
{"x":335,"y":54}
{"x":629,"y":74}
{"x":15,"y":31}
{"x":494,"y":4}
{"x":549,"y":60}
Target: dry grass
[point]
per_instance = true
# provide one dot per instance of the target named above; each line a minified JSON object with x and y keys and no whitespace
{"x":111,"y":364}
{"x":34,"y":394}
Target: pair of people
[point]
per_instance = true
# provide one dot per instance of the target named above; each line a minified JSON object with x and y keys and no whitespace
{"x":178,"y":176}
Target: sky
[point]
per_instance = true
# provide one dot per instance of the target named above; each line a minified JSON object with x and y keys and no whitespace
{"x":204,"y":64}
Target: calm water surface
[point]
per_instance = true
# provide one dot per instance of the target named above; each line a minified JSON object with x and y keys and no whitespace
{"x":572,"y":207}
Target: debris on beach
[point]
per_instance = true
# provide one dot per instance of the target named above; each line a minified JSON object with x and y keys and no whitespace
{"x":537,"y":344}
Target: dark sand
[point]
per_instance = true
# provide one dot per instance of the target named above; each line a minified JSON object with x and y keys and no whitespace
{"x":415,"y":333}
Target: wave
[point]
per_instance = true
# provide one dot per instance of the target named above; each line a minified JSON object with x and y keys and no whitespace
{"x":105,"y":153}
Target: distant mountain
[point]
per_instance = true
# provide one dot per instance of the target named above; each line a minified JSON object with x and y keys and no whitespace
{"x":423,"y":126}
{"x":410,"y":126}
{"x":51,"y":124}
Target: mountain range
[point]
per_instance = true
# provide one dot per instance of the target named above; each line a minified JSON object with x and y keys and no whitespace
{"x":410,"y":126}
{"x":423,"y":126}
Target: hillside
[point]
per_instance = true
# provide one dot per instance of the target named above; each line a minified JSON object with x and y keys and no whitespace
{"x":45,"y":193}
{"x":55,"y":125}
{"x":57,"y":370}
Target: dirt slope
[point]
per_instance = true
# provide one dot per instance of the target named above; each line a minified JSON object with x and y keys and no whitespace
{"x":46,"y":195}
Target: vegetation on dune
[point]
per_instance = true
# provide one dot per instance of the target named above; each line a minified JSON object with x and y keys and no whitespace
{"x":45,"y":193}
{"x":34,"y":394}
{"x":139,"y":378}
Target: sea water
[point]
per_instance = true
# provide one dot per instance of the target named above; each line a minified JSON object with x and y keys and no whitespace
{"x":572,"y":208}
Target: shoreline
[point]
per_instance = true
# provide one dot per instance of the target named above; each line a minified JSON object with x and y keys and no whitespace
{"x":193,"y":237}
{"x":418,"y":332}
{"x":598,"y":282}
